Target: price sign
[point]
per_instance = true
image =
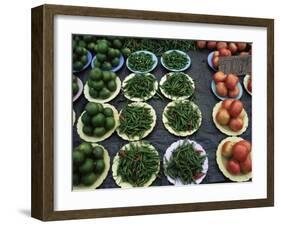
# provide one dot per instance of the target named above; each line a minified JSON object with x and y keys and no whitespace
{"x":239,"y":65}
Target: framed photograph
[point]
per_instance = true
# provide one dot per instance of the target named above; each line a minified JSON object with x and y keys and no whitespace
{"x":141,"y":112}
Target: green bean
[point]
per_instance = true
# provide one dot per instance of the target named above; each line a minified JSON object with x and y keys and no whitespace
{"x":135,"y":120}
{"x":178,"y":85}
{"x":137,"y":163}
{"x":184,"y":164}
{"x":141,"y":62}
{"x":175,"y":60}
{"x":183,"y":116}
{"x":140,"y":86}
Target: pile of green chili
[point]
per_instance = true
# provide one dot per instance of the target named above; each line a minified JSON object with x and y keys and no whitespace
{"x":175,"y":60}
{"x":135,"y":120}
{"x":140,"y":61}
{"x":183,"y":116}
{"x":185,"y":164}
{"x":158,"y":46}
{"x":140,"y":86}
{"x":137,"y":164}
{"x":177,"y":84}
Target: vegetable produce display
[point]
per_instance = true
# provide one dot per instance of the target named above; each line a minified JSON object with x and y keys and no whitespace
{"x":90,"y":164}
{"x":175,"y":60}
{"x":177,"y":86}
{"x":97,"y":122}
{"x":137,"y":120}
{"x":136,"y":165}
{"x":140,"y":87}
{"x":141,"y":62}
{"x":230,"y":117}
{"x":182,"y":118}
{"x":234,"y":158}
{"x":118,"y":85}
{"x":102,"y":86}
{"x":185,"y":163}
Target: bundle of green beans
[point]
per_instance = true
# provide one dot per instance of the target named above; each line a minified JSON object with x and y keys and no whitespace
{"x":138,"y":163}
{"x":135,"y":120}
{"x":158,"y":46}
{"x":175,"y":60}
{"x":183,"y":116}
{"x":140,"y":86}
{"x":177,"y":85}
{"x":185,"y":164}
{"x":141,"y":62}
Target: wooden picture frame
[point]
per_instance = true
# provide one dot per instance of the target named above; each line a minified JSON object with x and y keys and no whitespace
{"x":43,"y":120}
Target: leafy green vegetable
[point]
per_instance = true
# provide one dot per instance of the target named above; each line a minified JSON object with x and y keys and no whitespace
{"x":141,"y":62}
{"x":175,"y":60}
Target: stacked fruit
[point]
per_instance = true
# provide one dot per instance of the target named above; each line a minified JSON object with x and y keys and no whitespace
{"x":101,"y":83}
{"x":88,"y":164}
{"x":238,"y":156}
{"x":231,"y":114}
{"x":97,"y":120}
{"x":222,"y":49}
{"x":226,"y":84}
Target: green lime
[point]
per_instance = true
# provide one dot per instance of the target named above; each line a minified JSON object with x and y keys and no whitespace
{"x":79,"y":50}
{"x":113,"y":75}
{"x":98,"y":85}
{"x":74,"y":78}
{"x":87,"y":38}
{"x":86,"y":118}
{"x":106,"y":66}
{"x":104,"y":93}
{"x":99,"y":167}
{"x":109,"y":123}
{"x":92,"y":108}
{"x":108,"y":112}
{"x":115,"y":61}
{"x":88,"y":179}
{"x":99,"y":131}
{"x":126,"y":52}
{"x":111,"y":85}
{"x":88,"y":130}
{"x":90,"y":83}
{"x":93,"y":93}
{"x":101,"y":57}
{"x":87,"y":166}
{"x":82,"y":43}
{"x":117,"y":43}
{"x":74,"y":57}
{"x":84,"y":51}
{"x":76,"y":37}
{"x":117,"y":53}
{"x":100,"y":108}
{"x":111,"y":53}
{"x":77,"y":65}
{"x":75,"y":179}
{"x":98,"y":152}
{"x":106,"y":76}
{"x":75,"y":88}
{"x":102,"y":47}
{"x":84,"y":59}
{"x":97,"y":64}
{"x":98,"y":120}
{"x":95,"y":74}
{"x":91,"y":46}
{"x":86,"y":148}
{"x":78,"y":157}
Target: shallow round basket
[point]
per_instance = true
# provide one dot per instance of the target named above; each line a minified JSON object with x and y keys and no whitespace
{"x":118,"y":179}
{"x":89,"y":57}
{"x":245,"y":83}
{"x":209,"y":60}
{"x":114,"y":69}
{"x":152,"y":93}
{"x":164,"y":79}
{"x":213,"y":87}
{"x":196,"y":146}
{"x":101,"y":177}
{"x":80,"y":89}
{"x":93,"y":139}
{"x":187,"y":65}
{"x":112,"y":96}
{"x":150,"y":69}
{"x":182,"y":133}
{"x":225,"y":129}
{"x":136,"y":138}
{"x":221,"y":161}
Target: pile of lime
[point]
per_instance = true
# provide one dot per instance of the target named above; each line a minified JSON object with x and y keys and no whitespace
{"x":75,"y":86}
{"x":101,"y":83}
{"x":80,"y":44}
{"x":97,"y":120}
{"x":108,"y":52}
{"x":88,"y":164}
